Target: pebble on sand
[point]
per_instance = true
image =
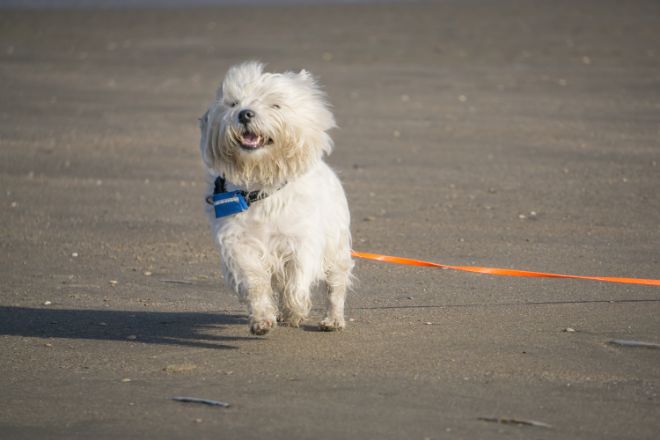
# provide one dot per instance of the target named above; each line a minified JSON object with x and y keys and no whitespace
{"x":179,"y":368}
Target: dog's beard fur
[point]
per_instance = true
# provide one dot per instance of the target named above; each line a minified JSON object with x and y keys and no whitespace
{"x":291,"y":119}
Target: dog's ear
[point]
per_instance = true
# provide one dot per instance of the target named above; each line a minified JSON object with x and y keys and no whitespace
{"x":206,"y":140}
{"x":203,"y":121}
{"x":302,"y":77}
{"x":323,"y":114}
{"x":306,"y":78}
{"x":305,"y":75}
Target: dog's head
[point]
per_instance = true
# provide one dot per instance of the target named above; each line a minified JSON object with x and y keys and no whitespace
{"x":264,"y":129}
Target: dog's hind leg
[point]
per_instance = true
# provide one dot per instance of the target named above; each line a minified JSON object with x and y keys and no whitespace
{"x":338,"y":279}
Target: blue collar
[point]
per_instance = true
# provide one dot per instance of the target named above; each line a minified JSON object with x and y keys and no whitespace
{"x":228,"y":203}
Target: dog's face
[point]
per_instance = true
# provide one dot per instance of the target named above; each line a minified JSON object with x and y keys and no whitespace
{"x":265,"y":128}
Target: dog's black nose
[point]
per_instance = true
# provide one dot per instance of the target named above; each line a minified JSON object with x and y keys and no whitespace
{"x":245,"y":116}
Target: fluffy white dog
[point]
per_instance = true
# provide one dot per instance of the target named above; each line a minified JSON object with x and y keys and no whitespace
{"x":263,"y":141}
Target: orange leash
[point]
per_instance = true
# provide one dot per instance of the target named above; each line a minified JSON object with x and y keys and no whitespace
{"x":497,"y":271}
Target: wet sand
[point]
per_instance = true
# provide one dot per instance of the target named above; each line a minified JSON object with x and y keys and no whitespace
{"x":511,"y":134}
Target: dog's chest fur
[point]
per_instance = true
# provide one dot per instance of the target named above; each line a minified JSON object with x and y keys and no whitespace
{"x":302,"y":218}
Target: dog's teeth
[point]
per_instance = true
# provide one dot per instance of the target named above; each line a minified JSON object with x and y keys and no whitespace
{"x":251,"y":140}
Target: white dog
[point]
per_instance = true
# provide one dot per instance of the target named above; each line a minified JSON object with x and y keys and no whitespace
{"x":263,"y":141}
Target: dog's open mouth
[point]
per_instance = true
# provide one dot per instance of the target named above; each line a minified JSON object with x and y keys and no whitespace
{"x":252,"y":141}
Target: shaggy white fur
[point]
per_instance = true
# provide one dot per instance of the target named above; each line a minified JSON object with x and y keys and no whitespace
{"x":267,"y":132}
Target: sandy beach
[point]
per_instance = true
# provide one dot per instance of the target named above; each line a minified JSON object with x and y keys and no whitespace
{"x":504,"y":133}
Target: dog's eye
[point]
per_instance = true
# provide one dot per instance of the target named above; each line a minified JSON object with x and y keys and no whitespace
{"x":276,"y":106}
{"x":233,"y":104}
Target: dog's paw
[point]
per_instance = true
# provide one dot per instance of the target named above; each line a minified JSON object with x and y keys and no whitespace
{"x":332,"y":324}
{"x":262,"y":327}
{"x":290,"y":320}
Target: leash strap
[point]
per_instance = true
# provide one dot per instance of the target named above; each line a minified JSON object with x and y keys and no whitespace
{"x":498,"y":271}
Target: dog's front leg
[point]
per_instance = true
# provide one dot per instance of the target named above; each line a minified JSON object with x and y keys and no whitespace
{"x":251,"y":279}
{"x":262,"y":310}
{"x":295,"y":301}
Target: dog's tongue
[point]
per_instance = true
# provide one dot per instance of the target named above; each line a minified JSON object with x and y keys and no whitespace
{"x":250,"y":140}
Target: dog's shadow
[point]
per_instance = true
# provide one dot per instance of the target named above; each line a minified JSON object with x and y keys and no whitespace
{"x":192,"y":329}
